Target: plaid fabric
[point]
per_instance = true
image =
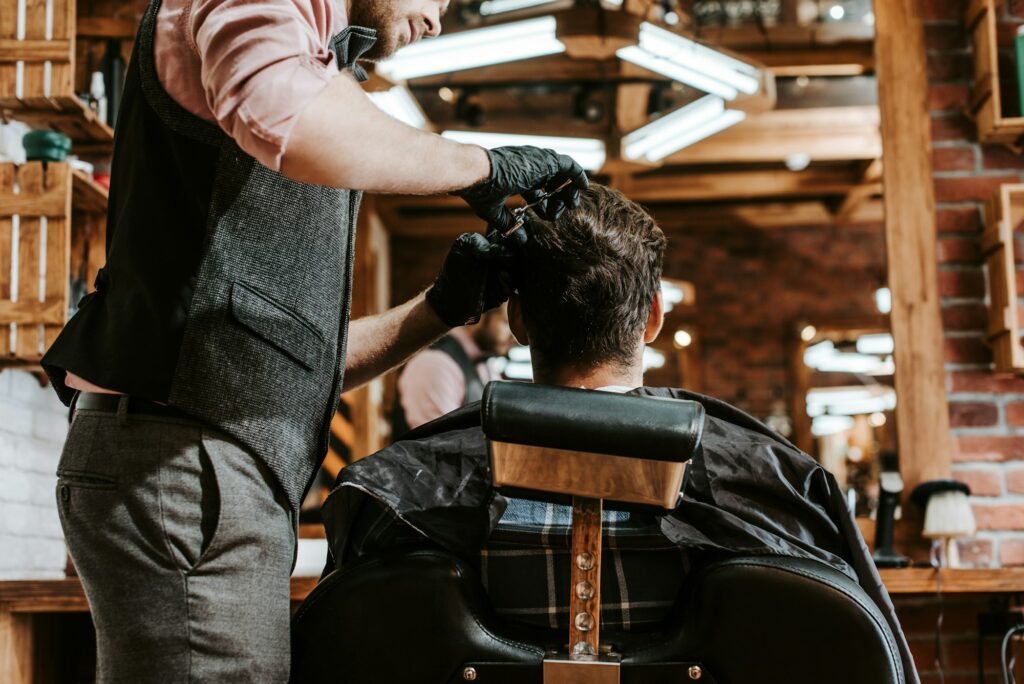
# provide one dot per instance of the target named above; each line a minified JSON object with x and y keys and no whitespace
{"x":525,"y":567}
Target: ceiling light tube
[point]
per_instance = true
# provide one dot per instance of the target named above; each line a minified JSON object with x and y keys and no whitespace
{"x":399,"y":103}
{"x":475,"y":48}
{"x":589,"y":153}
{"x":681,"y":128}
{"x":686,"y":61}
{"x":492,"y":7}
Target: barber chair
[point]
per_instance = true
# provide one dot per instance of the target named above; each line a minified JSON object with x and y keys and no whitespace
{"x":423,"y":615}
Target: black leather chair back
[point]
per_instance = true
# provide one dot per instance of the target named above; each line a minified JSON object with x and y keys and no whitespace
{"x":422,"y":617}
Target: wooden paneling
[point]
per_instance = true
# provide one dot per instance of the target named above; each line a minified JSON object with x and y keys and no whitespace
{"x":1003,"y":214}
{"x":922,"y":412}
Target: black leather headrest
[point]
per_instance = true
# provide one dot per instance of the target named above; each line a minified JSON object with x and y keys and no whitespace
{"x":593,"y":421}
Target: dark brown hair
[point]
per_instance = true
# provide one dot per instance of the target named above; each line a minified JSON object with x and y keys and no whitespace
{"x":588,"y":279}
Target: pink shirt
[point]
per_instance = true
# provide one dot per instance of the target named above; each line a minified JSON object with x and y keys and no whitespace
{"x":250,"y":65}
{"x":432,"y":384}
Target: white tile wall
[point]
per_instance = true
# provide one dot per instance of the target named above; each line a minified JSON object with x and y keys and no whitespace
{"x":33,"y":424}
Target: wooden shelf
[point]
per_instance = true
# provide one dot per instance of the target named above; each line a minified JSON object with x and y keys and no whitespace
{"x":948,"y":581}
{"x":1004,"y":212}
{"x":86,"y":194}
{"x":70,"y":116}
{"x":986,"y":106}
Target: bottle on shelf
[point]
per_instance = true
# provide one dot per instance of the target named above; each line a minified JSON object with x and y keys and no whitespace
{"x":98,"y":92}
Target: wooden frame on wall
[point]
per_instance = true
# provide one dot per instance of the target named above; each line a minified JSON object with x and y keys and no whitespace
{"x":922,"y":411}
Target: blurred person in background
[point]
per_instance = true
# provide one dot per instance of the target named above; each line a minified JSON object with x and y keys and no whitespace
{"x":451,"y":373}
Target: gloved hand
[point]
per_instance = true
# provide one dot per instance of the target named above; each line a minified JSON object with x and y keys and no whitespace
{"x":472,"y":279}
{"x":526,"y":171}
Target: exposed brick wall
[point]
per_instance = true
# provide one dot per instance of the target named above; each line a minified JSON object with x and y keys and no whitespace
{"x":33,"y":424}
{"x":986,"y":408}
{"x":752,"y":285}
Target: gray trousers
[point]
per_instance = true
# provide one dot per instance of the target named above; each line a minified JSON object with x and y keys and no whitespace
{"x":184,"y":548}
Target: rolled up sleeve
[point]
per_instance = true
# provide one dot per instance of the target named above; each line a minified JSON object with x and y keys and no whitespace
{"x":263,"y":62}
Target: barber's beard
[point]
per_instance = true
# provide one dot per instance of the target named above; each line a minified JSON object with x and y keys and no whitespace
{"x":381,"y":16}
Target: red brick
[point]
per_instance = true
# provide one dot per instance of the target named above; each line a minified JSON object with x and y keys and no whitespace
{"x":976,"y":553}
{"x":967,"y":188}
{"x":964,"y":317}
{"x":1011,"y":551}
{"x":986,"y":381}
{"x":1015,"y":480}
{"x":948,"y":67}
{"x":953,"y":158}
{"x":1015,"y":413}
{"x":962,"y":283}
{"x":958,"y":220}
{"x":953,"y":126}
{"x":947,"y":96}
{"x":1001,"y":517}
{"x":988,"y":448}
{"x":942,"y":9}
{"x":999,"y":157}
{"x":981,"y":482}
{"x":1006,"y":31}
{"x":972,"y":414}
{"x":959,"y":250}
{"x":944,"y":36}
{"x":967,"y":350}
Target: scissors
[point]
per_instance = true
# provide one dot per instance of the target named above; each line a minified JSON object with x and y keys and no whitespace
{"x":519,"y":213}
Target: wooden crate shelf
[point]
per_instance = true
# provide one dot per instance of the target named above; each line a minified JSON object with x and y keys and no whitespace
{"x":37,"y":71}
{"x":1004,"y":213}
{"x":54,"y":242}
{"x":987,"y":102}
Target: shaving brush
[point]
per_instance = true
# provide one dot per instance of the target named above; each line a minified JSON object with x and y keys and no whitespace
{"x":948,"y":515}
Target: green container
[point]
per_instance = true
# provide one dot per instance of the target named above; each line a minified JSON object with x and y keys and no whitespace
{"x":46,"y":146}
{"x":1018,"y":46}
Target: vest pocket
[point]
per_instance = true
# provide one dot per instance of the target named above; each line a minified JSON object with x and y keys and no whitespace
{"x":277,"y":325}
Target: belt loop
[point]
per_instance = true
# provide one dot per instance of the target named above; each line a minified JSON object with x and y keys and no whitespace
{"x":71,"y":408}
{"x":122,"y":410}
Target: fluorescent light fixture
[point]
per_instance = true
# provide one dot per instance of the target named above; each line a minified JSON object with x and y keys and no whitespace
{"x":519,"y":371}
{"x":671,"y":294}
{"x":883,"y":300}
{"x":653,"y":359}
{"x":588,"y":152}
{"x":519,"y":354}
{"x":880,"y":344}
{"x":824,"y":357}
{"x":850,"y":401}
{"x":399,"y":103}
{"x":474,"y":48}
{"x":823,"y":426}
{"x":681,"y":128}
{"x":686,"y":61}
{"x":491,"y":7}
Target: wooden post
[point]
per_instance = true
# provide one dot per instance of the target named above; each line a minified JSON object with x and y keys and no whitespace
{"x":585,"y":586}
{"x":15,"y":647}
{"x":922,"y":414}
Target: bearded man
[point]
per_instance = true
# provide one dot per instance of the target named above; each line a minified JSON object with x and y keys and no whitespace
{"x":204,"y":369}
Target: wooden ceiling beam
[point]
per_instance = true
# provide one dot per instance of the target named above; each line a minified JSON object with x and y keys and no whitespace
{"x":738,"y":185}
{"x":825,"y":134}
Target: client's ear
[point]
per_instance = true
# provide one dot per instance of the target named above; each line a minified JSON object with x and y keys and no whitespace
{"x":515,"y":320}
{"x":655,"y":319}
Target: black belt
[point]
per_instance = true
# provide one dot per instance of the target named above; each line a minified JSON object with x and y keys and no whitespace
{"x":110,"y":403}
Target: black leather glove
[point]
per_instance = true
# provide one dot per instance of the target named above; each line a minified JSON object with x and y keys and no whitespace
{"x":472,"y":279}
{"x":526,"y":171}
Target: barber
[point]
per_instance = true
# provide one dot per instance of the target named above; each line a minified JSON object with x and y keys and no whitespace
{"x":207,"y":364}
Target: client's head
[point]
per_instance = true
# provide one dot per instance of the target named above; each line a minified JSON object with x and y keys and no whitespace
{"x":588,"y":292}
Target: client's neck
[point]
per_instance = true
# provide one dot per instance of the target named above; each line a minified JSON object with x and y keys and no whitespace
{"x":590,"y":378}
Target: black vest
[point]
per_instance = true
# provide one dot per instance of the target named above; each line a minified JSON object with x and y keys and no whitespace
{"x":474,"y":385}
{"x":227,"y":286}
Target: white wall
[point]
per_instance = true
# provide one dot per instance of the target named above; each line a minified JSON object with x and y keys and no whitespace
{"x":33,"y":424}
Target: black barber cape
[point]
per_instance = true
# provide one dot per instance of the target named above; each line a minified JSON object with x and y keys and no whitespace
{"x":747,"y":491}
